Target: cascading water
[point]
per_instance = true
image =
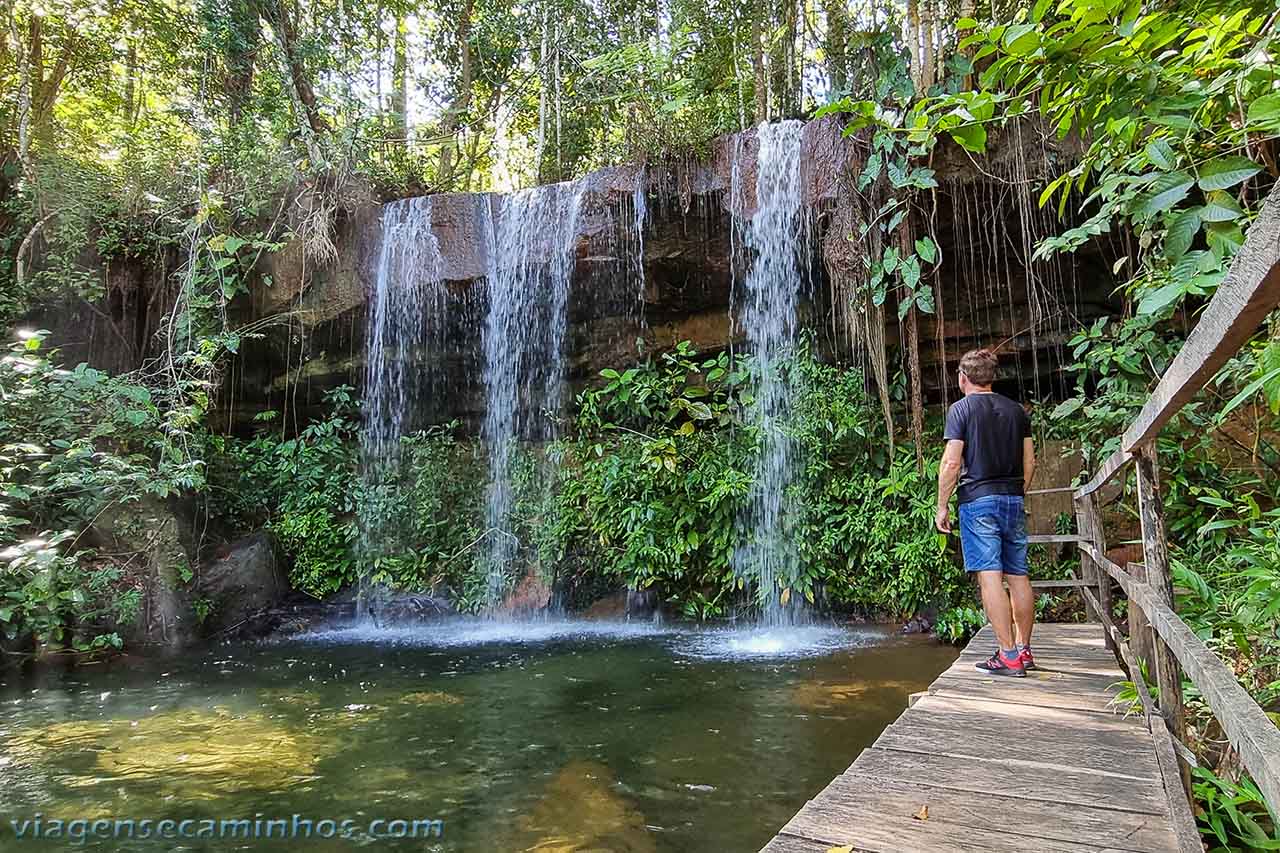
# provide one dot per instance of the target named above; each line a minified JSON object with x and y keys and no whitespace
{"x":635,"y":247}
{"x":531,"y":260}
{"x":408,"y":297}
{"x":775,"y":238}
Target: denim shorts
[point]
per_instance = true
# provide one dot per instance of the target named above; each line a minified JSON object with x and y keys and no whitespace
{"x":993,"y":535}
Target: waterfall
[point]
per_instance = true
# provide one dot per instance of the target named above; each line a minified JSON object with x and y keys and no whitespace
{"x":532,"y":243}
{"x":775,"y":239}
{"x":635,"y":246}
{"x":407,"y":302}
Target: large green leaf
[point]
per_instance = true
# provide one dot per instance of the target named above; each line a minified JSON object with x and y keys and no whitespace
{"x":1220,"y":207}
{"x":926,"y":249}
{"x":1066,"y":407}
{"x":1269,"y":363}
{"x":1160,"y":154}
{"x":1225,"y":238}
{"x":1264,"y":113}
{"x":1159,"y":299}
{"x":911,"y":271}
{"x":1227,"y":172}
{"x":1021,"y":39}
{"x":971,"y":137}
{"x":1166,"y":191}
{"x":1182,"y":231}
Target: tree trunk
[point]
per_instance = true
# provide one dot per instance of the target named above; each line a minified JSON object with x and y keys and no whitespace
{"x":541,"y":148}
{"x":241,"y":54}
{"x":400,"y":83}
{"x":757,"y":61}
{"x":927,"y":70}
{"x":837,"y":13}
{"x":913,"y":40}
{"x":780,"y":62}
{"x":461,"y":102}
{"x":301,"y":89}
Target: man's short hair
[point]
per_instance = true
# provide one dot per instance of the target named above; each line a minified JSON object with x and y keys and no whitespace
{"x":980,"y":366}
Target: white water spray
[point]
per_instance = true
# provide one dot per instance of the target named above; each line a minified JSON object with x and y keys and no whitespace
{"x":531,"y":260}
{"x":408,"y":298}
{"x":775,"y":238}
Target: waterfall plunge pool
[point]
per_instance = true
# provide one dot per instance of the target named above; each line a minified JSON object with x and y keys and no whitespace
{"x":547,"y":736}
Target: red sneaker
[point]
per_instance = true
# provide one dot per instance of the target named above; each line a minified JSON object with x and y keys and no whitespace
{"x":1025,"y":658}
{"x":997,"y":664}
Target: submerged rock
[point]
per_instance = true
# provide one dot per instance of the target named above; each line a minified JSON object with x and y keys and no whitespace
{"x":582,"y":810}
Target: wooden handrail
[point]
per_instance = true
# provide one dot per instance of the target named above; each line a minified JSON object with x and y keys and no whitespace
{"x":1247,"y":727}
{"x":1249,"y":292}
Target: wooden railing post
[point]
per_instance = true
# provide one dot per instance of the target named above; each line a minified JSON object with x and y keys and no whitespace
{"x":1139,"y":625}
{"x":1088,"y":569}
{"x":1156,"y":560}
{"x":1089,"y":524}
{"x":1098,"y":534}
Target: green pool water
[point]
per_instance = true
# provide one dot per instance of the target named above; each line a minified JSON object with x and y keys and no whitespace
{"x":552,"y":737}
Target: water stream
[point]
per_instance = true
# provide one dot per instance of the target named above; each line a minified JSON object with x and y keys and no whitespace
{"x":405,"y":307}
{"x":533,"y":238}
{"x":551,"y":736}
{"x":775,"y":240}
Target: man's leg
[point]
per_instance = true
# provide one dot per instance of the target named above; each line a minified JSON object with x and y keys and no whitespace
{"x":1024,"y":607}
{"x":982,"y":542}
{"x":996,"y":604}
{"x":1013,"y":558}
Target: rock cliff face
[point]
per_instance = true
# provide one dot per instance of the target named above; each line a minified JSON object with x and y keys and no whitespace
{"x":985,"y":222}
{"x":636,"y":291}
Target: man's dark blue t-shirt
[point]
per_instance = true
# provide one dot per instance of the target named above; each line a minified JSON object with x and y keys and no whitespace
{"x":992,"y":428}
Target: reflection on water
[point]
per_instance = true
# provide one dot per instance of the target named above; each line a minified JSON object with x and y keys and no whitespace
{"x":555,"y":737}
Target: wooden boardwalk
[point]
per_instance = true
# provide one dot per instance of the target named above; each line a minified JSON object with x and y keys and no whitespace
{"x":987,"y":763}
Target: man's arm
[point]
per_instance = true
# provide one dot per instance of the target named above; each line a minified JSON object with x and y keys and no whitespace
{"x":1028,"y":463}
{"x":948,"y":476}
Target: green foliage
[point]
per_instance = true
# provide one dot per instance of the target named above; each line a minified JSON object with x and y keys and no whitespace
{"x":421,"y":519}
{"x":957,"y":624}
{"x":74,"y":444}
{"x":302,"y":489}
{"x":1233,"y":814}
{"x":52,"y":597}
{"x":656,"y":479}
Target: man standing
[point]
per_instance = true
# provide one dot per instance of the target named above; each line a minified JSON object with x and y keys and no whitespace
{"x":990,"y":455}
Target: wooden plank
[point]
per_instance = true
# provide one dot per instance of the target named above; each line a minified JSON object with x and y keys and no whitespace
{"x":1052,"y":667}
{"x":1037,"y":819}
{"x":1245,"y":297}
{"x":1027,"y":692}
{"x":1246,"y":725}
{"x":1113,"y":465}
{"x":1181,"y":820}
{"x":785,"y":843}
{"x":1066,"y":786}
{"x":1054,"y":491}
{"x":1098,"y":536}
{"x":1051,"y":662}
{"x":1065,"y":583}
{"x":944,"y":725}
{"x":847,"y":813}
{"x":1084,"y":523}
{"x":1140,"y":638}
{"x":1054,"y":538}
{"x":1075,"y":777}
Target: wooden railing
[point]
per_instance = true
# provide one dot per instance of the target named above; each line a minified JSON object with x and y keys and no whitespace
{"x":1250,"y":291}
